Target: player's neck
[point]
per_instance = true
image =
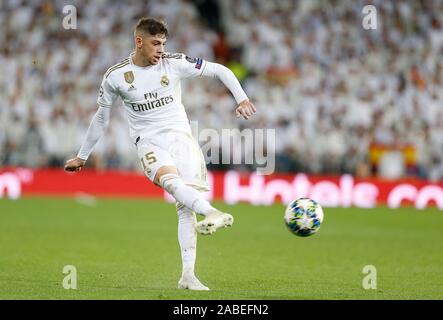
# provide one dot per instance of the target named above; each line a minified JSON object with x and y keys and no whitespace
{"x":139,"y":60}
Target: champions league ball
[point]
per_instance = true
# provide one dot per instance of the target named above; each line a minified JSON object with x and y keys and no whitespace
{"x":303,"y":217}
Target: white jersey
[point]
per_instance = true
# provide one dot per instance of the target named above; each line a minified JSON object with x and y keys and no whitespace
{"x":151,"y":95}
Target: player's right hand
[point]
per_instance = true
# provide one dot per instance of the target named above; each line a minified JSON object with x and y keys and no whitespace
{"x":74,"y":165}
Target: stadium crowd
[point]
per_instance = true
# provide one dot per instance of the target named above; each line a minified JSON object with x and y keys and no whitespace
{"x":330,"y":88}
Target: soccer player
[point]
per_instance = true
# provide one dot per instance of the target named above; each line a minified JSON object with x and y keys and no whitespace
{"x":148,"y":82}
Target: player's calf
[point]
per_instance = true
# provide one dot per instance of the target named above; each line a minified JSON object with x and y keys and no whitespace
{"x":184,"y":194}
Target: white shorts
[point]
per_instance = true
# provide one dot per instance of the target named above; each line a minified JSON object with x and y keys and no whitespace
{"x":178,"y":149}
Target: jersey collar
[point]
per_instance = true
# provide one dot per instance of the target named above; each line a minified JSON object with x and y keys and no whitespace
{"x":138,"y":67}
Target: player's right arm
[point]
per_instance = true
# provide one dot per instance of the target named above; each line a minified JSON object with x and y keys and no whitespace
{"x":99,"y":122}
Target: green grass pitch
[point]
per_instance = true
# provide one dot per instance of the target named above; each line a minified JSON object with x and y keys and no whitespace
{"x":128,"y":249}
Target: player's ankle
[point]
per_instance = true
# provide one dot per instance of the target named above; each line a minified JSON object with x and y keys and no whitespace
{"x":188,"y":272}
{"x":203,"y":207}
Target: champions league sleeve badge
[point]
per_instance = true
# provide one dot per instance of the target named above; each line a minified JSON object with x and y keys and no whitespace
{"x":198,"y":61}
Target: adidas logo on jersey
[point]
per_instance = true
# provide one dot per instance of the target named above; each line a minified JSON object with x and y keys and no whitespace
{"x":131,"y":88}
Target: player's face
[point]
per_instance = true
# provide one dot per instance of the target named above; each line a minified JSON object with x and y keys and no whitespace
{"x":152,"y":47}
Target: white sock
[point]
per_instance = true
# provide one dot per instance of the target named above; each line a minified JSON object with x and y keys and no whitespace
{"x":186,"y":195}
{"x":187,"y":238}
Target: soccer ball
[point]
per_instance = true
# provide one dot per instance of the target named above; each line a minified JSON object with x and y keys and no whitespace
{"x":303,"y":217}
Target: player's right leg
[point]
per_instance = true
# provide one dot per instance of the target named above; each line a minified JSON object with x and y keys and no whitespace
{"x":187,"y":238}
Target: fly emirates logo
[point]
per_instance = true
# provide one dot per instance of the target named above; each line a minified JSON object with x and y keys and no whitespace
{"x":152,"y":102}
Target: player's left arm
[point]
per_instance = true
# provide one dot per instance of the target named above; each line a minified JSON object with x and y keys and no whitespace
{"x":195,"y":67}
{"x":245,"y":107}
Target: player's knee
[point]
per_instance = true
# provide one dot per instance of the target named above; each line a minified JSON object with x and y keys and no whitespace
{"x":167,"y":182}
{"x":161,"y":172}
{"x":181,"y":208}
{"x":184,"y":213}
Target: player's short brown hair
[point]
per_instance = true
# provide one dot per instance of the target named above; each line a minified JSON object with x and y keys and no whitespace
{"x":151,"y":26}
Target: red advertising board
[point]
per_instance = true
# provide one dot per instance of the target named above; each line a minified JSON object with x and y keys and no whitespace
{"x":231,"y":187}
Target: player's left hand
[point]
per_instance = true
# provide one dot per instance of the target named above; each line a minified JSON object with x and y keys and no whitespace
{"x":245,"y":109}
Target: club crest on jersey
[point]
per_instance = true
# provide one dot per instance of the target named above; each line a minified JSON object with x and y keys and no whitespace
{"x":164,"y":81}
{"x":129,"y":77}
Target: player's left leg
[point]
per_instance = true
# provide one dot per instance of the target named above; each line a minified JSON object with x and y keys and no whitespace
{"x":170,"y":180}
{"x":176,"y":164}
{"x":187,"y":237}
{"x":190,"y":162}
{"x":191,"y":198}
{"x":160,"y":166}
